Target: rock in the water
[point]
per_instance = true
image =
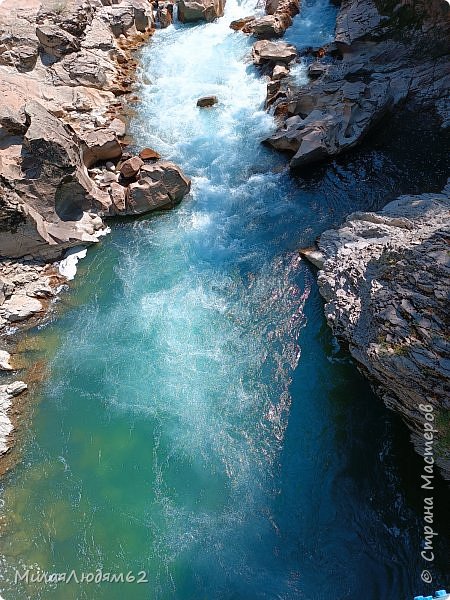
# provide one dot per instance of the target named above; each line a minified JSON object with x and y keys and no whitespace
{"x":161,"y":185}
{"x":164,"y":14}
{"x":265,"y":52}
{"x":386,"y":284}
{"x":279,"y":72}
{"x":317,"y":69}
{"x":200,"y":10}
{"x":131,"y":167}
{"x":149,"y":154}
{"x":278,"y":18}
{"x":207,"y":101}
{"x":239,"y":24}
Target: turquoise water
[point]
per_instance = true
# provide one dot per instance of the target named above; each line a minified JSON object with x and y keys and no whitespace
{"x":198,"y":422}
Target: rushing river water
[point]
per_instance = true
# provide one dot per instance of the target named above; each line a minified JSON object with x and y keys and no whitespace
{"x":197,"y":422}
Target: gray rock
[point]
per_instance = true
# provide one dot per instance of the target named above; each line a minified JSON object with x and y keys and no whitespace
{"x":7,"y":392}
{"x":19,"y":308}
{"x":398,"y":334}
{"x":381,"y":70}
{"x":5,"y":357}
{"x":13,"y":121}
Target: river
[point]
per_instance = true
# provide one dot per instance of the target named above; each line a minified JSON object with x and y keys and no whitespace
{"x":197,"y":421}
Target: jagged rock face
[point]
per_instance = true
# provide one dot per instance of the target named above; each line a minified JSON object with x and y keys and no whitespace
{"x":55,"y":41}
{"x":190,"y":11}
{"x":56,"y":120}
{"x":386,"y":283}
{"x":390,"y":56}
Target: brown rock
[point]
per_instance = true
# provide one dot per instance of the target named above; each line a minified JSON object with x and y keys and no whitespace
{"x":148,"y":154}
{"x":161,"y":185}
{"x":239,"y":24}
{"x":200,"y":10}
{"x":207,"y":101}
{"x":131,"y":167}
{"x":100,"y":144}
{"x":265,"y":51}
{"x":117,"y":193}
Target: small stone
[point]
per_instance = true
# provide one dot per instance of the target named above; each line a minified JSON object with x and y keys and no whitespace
{"x":207,"y":101}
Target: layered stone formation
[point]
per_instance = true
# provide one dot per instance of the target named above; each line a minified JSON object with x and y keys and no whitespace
{"x":385,"y":278}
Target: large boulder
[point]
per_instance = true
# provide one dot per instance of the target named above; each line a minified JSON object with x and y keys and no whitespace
{"x":100,"y":145}
{"x":48,"y":203}
{"x":200,"y":10}
{"x":161,"y":185}
{"x":265,"y":52}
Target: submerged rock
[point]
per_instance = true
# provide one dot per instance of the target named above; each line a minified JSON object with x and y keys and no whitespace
{"x":385,"y":279}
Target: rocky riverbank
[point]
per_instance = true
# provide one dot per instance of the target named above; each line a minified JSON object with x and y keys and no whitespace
{"x":385,"y":277}
{"x":386,"y":56}
{"x":385,"y":280}
{"x":66,"y":76}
